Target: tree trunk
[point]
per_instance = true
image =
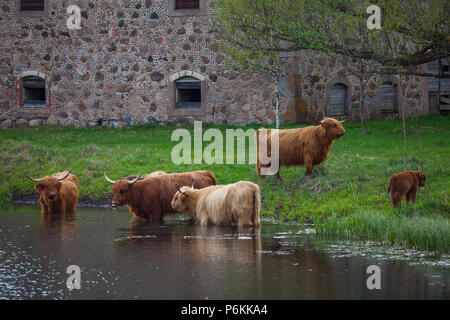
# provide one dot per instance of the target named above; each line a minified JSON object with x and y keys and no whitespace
{"x":277,"y":106}
{"x":420,"y":142}
{"x":361,"y":103}
{"x":404,"y":128}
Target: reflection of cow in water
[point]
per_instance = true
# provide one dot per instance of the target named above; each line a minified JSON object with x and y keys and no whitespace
{"x":58,"y":193}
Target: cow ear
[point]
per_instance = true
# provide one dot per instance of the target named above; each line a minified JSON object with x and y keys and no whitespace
{"x":38,"y":187}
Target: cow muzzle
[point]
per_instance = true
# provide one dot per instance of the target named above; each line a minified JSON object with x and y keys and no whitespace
{"x":114,"y":205}
{"x":52,"y":196}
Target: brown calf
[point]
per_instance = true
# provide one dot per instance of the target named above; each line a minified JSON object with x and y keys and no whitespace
{"x":405,"y":184}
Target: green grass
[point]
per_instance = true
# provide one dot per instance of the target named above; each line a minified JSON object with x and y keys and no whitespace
{"x":350,"y":189}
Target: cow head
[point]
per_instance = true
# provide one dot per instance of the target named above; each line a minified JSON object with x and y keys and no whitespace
{"x":48,"y":187}
{"x":334,"y":128}
{"x":422,"y":177}
{"x":122,"y":189}
{"x":182,"y":199}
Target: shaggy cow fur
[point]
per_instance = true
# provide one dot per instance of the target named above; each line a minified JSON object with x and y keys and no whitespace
{"x":153,"y":174}
{"x":307,"y":147}
{"x":150,"y":198}
{"x":58,"y":196}
{"x":239,"y":202}
{"x":405,"y":184}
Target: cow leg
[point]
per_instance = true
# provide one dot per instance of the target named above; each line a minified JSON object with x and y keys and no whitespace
{"x":396,"y":198}
{"x":258,"y":171}
{"x":412,"y":195}
{"x":44,"y":208}
{"x":309,"y":166}
{"x":278,"y":176}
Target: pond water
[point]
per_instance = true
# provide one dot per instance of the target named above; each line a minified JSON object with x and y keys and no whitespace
{"x":121,"y":258}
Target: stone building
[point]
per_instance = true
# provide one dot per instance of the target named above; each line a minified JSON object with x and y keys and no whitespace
{"x":134,"y":61}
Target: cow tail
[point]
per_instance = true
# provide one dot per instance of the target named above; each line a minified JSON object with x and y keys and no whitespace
{"x":256,"y":205}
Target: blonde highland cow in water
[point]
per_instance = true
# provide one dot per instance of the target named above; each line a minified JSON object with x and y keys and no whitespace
{"x":239,"y":202}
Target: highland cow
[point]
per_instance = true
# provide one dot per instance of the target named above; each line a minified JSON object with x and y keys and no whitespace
{"x":239,"y":202}
{"x":150,"y":198}
{"x":405,"y":184}
{"x":58,"y":193}
{"x":307,"y":147}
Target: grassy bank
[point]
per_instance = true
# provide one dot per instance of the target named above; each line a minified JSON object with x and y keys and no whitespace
{"x":348,"y":190}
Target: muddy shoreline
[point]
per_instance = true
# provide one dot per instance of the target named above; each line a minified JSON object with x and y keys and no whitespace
{"x":31,"y":199}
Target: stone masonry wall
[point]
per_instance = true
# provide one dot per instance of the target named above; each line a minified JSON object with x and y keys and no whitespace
{"x":116,"y":69}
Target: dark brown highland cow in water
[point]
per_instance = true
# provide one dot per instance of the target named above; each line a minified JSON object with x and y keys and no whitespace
{"x":405,"y":184}
{"x":58,"y":193}
{"x":150,"y":198}
{"x":307,"y":147}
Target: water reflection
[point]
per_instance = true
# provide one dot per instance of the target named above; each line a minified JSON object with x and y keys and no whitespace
{"x":133,"y":259}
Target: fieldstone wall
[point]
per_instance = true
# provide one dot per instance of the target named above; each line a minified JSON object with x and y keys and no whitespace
{"x":310,"y":76}
{"x":115,"y":70}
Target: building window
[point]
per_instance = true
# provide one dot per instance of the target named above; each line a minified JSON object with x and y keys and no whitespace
{"x":337,"y":101}
{"x":388,"y":97}
{"x":31,"y":8}
{"x":188,"y":93}
{"x":33,"y":92}
{"x":439,"y":88}
{"x":187,"y":7}
{"x":187,"y":4}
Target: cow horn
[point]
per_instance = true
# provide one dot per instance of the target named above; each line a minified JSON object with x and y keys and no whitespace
{"x":342,"y":121}
{"x":108,"y":179}
{"x":35,"y":180}
{"x":135,"y":179}
{"x":59,"y":179}
{"x":178,"y":188}
{"x":192,"y":187}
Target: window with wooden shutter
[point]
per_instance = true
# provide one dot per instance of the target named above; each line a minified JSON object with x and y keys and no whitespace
{"x":337,"y":100}
{"x":182,"y":8}
{"x":32,"y":5}
{"x":388,"y":97}
{"x":31,"y":8}
{"x":187,"y":4}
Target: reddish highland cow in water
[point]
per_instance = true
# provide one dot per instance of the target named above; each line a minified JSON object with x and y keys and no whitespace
{"x":405,"y":184}
{"x":58,"y":193}
{"x":307,"y":147}
{"x":150,"y":198}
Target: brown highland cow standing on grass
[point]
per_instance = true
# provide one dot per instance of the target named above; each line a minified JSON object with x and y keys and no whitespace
{"x":150,"y":198}
{"x":307,"y":147}
{"x":405,"y":184}
{"x":58,"y":193}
